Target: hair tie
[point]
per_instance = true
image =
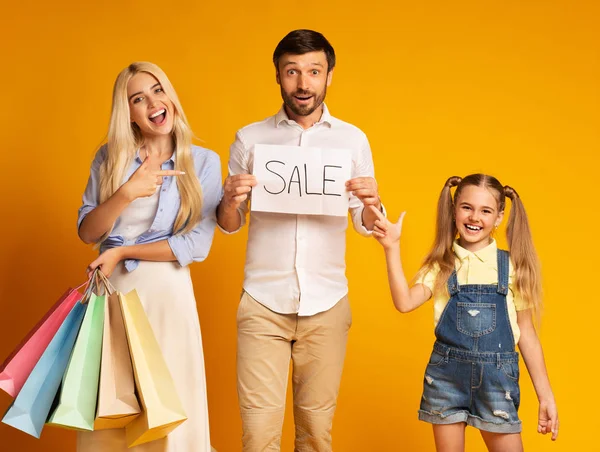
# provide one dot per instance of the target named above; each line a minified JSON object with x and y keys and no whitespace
{"x":510,"y":192}
{"x":453,"y":181}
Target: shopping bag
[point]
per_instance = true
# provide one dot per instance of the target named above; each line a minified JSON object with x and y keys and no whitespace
{"x":17,"y":367}
{"x":117,"y":402}
{"x":76,"y":406}
{"x":30,"y":409}
{"x":162,"y":410}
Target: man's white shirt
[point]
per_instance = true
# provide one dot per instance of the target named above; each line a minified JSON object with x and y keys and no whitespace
{"x":295,"y":264}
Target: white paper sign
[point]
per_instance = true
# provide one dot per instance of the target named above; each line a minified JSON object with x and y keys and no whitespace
{"x":301,"y":180}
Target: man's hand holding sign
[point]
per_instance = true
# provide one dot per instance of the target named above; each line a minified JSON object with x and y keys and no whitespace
{"x":235,"y":191}
{"x":365,"y":189}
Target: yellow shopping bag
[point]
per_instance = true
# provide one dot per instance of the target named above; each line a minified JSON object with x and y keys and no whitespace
{"x":162,"y":410}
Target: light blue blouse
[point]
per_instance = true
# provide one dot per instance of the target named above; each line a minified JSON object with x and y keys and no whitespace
{"x":189,"y":247}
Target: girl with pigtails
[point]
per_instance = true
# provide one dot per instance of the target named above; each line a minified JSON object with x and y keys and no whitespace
{"x":485,"y":301}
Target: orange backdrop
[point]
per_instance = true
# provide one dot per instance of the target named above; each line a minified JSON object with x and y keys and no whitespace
{"x":441,"y":88}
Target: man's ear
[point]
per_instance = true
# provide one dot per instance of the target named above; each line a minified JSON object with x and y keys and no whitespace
{"x":329,"y":77}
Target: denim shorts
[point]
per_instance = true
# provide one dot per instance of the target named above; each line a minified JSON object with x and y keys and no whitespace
{"x":479,"y":388}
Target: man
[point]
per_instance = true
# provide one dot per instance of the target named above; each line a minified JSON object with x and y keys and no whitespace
{"x":295,"y":301}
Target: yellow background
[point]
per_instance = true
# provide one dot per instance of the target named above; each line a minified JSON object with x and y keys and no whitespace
{"x":441,"y":88}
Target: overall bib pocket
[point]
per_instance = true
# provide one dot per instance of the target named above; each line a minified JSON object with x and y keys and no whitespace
{"x":475,"y":319}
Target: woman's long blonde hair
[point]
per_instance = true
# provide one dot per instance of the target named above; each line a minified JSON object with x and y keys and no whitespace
{"x":125,"y":138}
{"x":520,"y":242}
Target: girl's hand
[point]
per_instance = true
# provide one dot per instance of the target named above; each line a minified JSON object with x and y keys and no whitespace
{"x":386,"y":232}
{"x":548,"y":418}
{"x":146,"y":179}
{"x":107,"y":262}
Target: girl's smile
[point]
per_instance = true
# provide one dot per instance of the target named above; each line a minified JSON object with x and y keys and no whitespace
{"x":476,"y":214}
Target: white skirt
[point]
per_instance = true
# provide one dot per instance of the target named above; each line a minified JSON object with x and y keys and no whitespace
{"x":166,"y":292}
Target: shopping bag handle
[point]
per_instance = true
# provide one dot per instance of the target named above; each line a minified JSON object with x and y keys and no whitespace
{"x":107,"y":284}
{"x":86,"y":283}
{"x":90,"y":285}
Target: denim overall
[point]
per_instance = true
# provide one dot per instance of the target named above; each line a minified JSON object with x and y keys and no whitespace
{"x":473,"y":372}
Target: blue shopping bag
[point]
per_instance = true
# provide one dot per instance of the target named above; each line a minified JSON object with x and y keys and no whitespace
{"x":30,"y":409}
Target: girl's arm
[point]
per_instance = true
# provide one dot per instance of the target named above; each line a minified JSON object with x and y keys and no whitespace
{"x":533,"y":355}
{"x":405,"y":298}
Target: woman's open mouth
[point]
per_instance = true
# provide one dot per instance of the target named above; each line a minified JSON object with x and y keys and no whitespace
{"x":158,"y":117}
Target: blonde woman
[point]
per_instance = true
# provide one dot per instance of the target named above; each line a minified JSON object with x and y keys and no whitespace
{"x":150,"y":204}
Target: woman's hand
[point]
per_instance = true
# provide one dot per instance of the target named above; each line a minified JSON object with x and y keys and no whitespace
{"x":146,"y":179}
{"x":106,"y":262}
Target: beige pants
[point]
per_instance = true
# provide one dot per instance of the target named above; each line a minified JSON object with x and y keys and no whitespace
{"x":266,"y":342}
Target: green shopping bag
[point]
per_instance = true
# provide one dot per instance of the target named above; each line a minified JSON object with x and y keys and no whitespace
{"x":76,"y":407}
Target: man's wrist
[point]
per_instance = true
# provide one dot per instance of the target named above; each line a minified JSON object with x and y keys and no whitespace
{"x":228,"y":206}
{"x":392,"y":248}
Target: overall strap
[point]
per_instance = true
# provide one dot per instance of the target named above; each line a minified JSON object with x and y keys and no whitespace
{"x":503,"y":270}
{"x":453,"y":288}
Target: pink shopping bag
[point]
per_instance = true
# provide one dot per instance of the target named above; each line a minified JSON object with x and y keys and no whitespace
{"x":17,"y":367}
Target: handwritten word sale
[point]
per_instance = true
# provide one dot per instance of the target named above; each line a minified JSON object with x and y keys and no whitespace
{"x":301,"y":180}
{"x":278,"y":168}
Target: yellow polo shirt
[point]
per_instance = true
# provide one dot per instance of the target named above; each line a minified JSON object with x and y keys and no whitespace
{"x":480,"y":267}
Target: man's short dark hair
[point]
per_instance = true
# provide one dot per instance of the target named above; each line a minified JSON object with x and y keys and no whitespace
{"x":299,"y":42}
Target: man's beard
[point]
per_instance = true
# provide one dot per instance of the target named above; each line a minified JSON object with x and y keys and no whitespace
{"x":303,"y":110}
